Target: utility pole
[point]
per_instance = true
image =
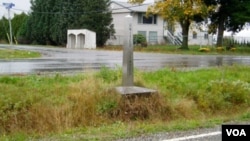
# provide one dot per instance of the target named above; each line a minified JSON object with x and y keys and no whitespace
{"x":8,"y":6}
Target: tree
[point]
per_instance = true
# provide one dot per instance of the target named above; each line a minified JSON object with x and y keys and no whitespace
{"x":18,"y":22}
{"x":230,"y":15}
{"x":181,"y":11}
{"x":4,"y":29}
{"x":39,"y":21}
{"x":97,"y":17}
{"x":50,"y":20}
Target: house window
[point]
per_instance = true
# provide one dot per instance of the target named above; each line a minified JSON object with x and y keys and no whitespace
{"x":194,"y":35}
{"x":144,"y":33}
{"x":152,"y":37}
{"x":143,"y":19}
{"x":205,"y":36}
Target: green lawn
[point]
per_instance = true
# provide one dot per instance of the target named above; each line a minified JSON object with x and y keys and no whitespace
{"x":194,"y":50}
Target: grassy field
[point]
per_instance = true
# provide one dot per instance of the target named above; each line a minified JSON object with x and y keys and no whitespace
{"x":85,"y":106}
{"x":10,"y":54}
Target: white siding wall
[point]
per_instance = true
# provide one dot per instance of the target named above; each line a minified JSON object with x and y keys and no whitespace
{"x":118,"y":21}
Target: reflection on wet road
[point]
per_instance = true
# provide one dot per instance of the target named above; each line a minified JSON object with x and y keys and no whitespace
{"x":69,"y":60}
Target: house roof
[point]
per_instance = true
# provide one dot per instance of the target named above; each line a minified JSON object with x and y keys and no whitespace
{"x":132,"y":7}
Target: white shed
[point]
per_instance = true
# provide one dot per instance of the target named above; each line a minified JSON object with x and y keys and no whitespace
{"x":81,"y":38}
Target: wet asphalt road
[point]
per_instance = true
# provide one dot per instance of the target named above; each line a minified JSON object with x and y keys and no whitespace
{"x":72,"y":60}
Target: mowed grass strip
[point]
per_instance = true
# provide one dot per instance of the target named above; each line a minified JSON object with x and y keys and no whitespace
{"x":193,"y":50}
{"x":85,"y":106}
{"x":13,"y":54}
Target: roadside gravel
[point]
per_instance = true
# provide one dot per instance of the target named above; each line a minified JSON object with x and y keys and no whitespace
{"x":172,"y":135}
{"x":178,"y":135}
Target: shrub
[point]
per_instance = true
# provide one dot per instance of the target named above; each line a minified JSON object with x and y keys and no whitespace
{"x":204,"y":49}
{"x":232,"y":49}
{"x":220,"y":49}
{"x":139,"y":39}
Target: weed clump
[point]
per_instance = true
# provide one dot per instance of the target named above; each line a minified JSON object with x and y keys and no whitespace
{"x":141,"y":107}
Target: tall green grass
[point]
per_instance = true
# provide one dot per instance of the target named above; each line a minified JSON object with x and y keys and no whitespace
{"x":39,"y":105}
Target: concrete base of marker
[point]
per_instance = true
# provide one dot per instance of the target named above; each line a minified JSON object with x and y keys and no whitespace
{"x":133,"y":90}
{"x":136,"y":102}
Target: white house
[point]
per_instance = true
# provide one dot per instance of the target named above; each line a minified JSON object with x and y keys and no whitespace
{"x":81,"y":38}
{"x":151,"y":27}
{"x":154,"y":28}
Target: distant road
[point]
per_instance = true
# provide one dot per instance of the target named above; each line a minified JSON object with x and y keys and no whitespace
{"x":75,"y":60}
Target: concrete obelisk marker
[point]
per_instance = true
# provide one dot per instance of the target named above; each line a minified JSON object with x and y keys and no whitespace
{"x":128,"y":57}
{"x":128,"y":87}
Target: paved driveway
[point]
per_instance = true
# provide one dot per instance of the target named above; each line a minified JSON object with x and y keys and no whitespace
{"x":71,"y":60}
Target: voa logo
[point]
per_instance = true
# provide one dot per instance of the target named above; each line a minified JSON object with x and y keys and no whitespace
{"x":236,"y":132}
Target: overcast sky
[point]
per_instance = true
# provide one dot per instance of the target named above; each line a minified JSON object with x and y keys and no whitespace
{"x":24,"y":5}
{"x":20,"y":5}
